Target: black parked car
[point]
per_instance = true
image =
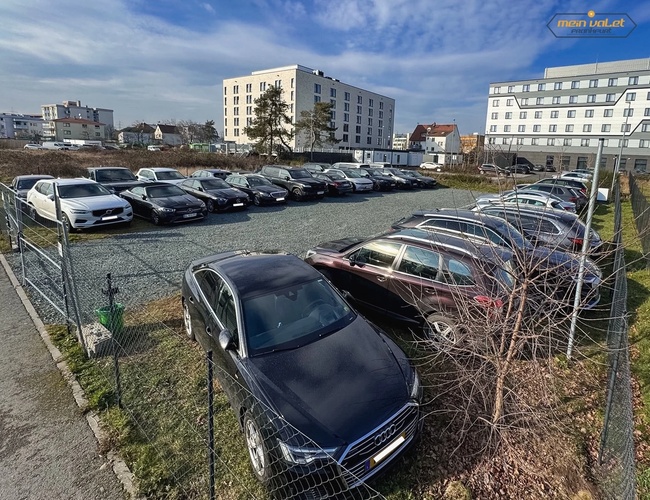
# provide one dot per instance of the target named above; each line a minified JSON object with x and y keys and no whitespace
{"x":380,"y":182}
{"x":218,"y":195}
{"x":212,"y":172}
{"x":337,"y":185}
{"x":519,"y":168}
{"x":23,"y":183}
{"x":421,"y":181}
{"x":258,"y":188}
{"x":115,"y":179}
{"x":321,"y":394}
{"x":573,"y":183}
{"x":164,"y":203}
{"x":401,"y":181}
{"x":298,"y":181}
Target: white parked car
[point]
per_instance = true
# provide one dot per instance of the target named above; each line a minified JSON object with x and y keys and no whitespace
{"x":32,"y":146}
{"x":581,"y":176}
{"x":84,"y":203}
{"x":160,"y":174}
{"x":357,"y":177}
{"x":526,"y":198}
{"x":429,"y":165}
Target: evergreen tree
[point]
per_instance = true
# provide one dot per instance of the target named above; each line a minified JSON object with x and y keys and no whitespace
{"x":271,"y":127}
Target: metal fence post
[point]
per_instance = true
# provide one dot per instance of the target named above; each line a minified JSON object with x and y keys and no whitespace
{"x":210,"y":423}
{"x":111,"y":291}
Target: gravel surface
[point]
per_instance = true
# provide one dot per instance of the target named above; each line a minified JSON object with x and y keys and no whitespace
{"x":149,"y":264}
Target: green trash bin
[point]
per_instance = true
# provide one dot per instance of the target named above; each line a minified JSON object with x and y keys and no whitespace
{"x":113,"y":319}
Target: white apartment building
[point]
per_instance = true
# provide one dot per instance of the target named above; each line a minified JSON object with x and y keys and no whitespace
{"x":20,"y":126}
{"x":74,"y":109}
{"x":558,"y":119}
{"x":362,"y":118}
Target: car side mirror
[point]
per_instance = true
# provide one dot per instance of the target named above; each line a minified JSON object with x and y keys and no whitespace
{"x":355,"y":260}
{"x":144,"y":196}
{"x":287,"y":178}
{"x":226,"y":340}
{"x":50,"y":197}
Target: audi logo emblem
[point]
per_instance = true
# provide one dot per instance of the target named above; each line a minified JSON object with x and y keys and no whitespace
{"x":385,"y":435}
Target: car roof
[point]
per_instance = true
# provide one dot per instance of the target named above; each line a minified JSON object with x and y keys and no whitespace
{"x":160,"y":169}
{"x":459,"y":213}
{"x":33,"y":176}
{"x":68,"y":182}
{"x":533,"y":210}
{"x":148,"y":185}
{"x":256,"y":273}
{"x":106,"y":167}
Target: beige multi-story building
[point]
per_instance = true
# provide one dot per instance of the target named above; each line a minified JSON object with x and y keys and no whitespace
{"x":76,"y":129}
{"x":74,"y":109}
{"x":362,"y":118}
{"x":559,"y":119}
{"x":401,"y":141}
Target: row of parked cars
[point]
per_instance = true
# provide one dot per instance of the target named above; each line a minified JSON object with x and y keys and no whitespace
{"x":110,"y":195}
{"x":273,"y":314}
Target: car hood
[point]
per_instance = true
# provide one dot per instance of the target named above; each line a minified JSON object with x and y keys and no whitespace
{"x":121,"y":185}
{"x":268,"y":189}
{"x":338,"y":246}
{"x":184,"y":200}
{"x":228,"y":193}
{"x":94,"y":202}
{"x":315,"y":183}
{"x":564,"y":263}
{"x":336,"y":389}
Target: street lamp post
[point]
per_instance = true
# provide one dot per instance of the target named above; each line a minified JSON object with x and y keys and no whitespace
{"x":620,"y":149}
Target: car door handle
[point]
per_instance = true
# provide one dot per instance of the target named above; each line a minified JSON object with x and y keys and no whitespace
{"x":208,"y":330}
{"x":381,"y":278}
{"x":191,"y":299}
{"x":430,"y":290}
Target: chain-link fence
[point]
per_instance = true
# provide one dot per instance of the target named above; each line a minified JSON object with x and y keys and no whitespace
{"x":641,"y":210}
{"x":616,"y":458}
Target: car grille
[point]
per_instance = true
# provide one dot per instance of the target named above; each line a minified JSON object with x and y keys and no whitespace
{"x":278,"y":194}
{"x":355,"y":459}
{"x":107,"y":211}
{"x":187,"y":210}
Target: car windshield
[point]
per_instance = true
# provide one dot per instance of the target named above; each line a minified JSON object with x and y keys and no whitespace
{"x":300,"y":174}
{"x":353,"y":174}
{"x":215,"y":184}
{"x":407,"y":173}
{"x":82,"y":190}
{"x":258,"y":181}
{"x":118,"y":174}
{"x":169,"y":175}
{"x":164,"y":191}
{"x":415,"y":174}
{"x":294,"y":316}
{"x":26,"y":183}
{"x":335,"y":176}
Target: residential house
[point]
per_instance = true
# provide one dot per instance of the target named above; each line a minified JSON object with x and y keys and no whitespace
{"x":74,"y":109}
{"x":66,"y":129}
{"x":142,"y":133}
{"x":440,"y":143}
{"x":168,"y":135}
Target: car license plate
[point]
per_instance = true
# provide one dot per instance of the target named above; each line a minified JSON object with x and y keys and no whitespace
{"x":386,"y":452}
{"x":189,"y":216}
{"x":110,"y":217}
{"x":237,"y":204}
{"x":279,"y":199}
{"x":320,"y":192}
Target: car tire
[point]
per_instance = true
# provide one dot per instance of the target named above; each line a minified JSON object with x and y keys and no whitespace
{"x":257,"y":449}
{"x":209,"y":204}
{"x":65,"y":220}
{"x":297,"y":194}
{"x":155,"y":218}
{"x":257,"y":201}
{"x":441,"y":331}
{"x":187,"y":321}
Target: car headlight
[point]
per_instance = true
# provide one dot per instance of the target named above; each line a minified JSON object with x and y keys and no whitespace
{"x":309,"y":254}
{"x":304,"y":455}
{"x":222,"y":201}
{"x":415,"y":388}
{"x":202,"y":204}
{"x":265,"y":195}
{"x":168,"y":210}
{"x":79,"y":212}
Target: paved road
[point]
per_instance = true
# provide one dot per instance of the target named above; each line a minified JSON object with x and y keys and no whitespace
{"x":47,"y":449}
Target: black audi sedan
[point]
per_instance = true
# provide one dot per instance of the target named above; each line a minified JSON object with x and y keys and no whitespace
{"x":218,"y":195}
{"x":380,"y":182}
{"x":258,"y":188}
{"x":421,"y":181}
{"x":337,"y":185}
{"x":321,"y":394}
{"x":164,"y":203}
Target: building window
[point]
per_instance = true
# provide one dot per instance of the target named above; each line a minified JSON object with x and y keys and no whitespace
{"x":557,"y":86}
{"x":332,"y":92}
{"x":628,"y":112}
{"x":371,"y":103}
{"x":66,"y":124}
{"x":67,"y":132}
{"x":582,"y":162}
{"x":262,"y":86}
{"x":556,"y":99}
{"x":520,"y":141}
{"x":591,"y":98}
{"x":645,"y":127}
{"x":359,"y":120}
{"x":571,"y":113}
{"x":359,"y":110}
{"x":522,"y":115}
{"x":634,"y":80}
{"x":345,"y":137}
{"x":525,"y":88}
{"x":491,"y":140}
{"x":504,"y":140}
{"x":534,"y":141}
{"x":625,"y":127}
{"x":552,"y":128}
{"x":573,"y":99}
{"x":606,"y":127}
{"x":630,"y":96}
{"x":644,"y":143}
{"x":584,"y":142}
{"x":593,"y":83}
{"x":346,"y":117}
{"x":317,"y":88}
{"x":347,"y":96}
{"x":511,"y":88}
{"x":623,"y":143}
{"x":555,"y":114}
{"x":381,"y":104}
{"x":586,"y":128}
{"x":506,"y":128}
{"x":369,"y":122}
{"x":521,"y":128}
{"x":608,"y":112}
{"x":316,"y":98}
{"x":493,"y":128}
{"x":509,"y":102}
{"x":370,"y":110}
{"x":538,"y":115}
{"x":494,"y":116}
{"x":249,"y":86}
{"x":568,"y":128}
{"x":495,"y":103}
{"x":508,"y":115}
{"x":357,"y":139}
{"x":359,"y":99}
{"x":235,"y":89}
{"x":575,"y":84}
{"x":567,"y":142}
{"x":646,"y":112}
{"x":640,"y":164}
{"x":346,"y":106}
{"x":537,"y":128}
{"x":541,"y":86}
{"x":235,"y":100}
{"x":249,"y":110}
{"x":550,"y":141}
{"x":369,"y":131}
{"x":235,"y":111}
{"x":612,"y":82}
{"x":539,"y":101}
{"x":589,"y":113}
{"x":610,"y":97}
{"x":278,"y":84}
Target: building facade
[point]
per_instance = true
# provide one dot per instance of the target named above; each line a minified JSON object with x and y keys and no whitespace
{"x":361,"y":118}
{"x":401,"y":141}
{"x":440,"y":143}
{"x":74,"y":109}
{"x":559,"y":119}
{"x":77,"y":129}
{"x":20,"y":126}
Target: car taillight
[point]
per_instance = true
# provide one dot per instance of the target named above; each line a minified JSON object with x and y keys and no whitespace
{"x":577,"y":241}
{"x":489,"y":302}
{"x":573,"y":199}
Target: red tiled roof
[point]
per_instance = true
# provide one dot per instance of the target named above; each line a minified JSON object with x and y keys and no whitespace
{"x":434,"y":130}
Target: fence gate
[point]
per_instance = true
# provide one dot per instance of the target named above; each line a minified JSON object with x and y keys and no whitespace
{"x":40,"y":257}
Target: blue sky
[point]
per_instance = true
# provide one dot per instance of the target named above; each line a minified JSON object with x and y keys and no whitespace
{"x":164,"y":60}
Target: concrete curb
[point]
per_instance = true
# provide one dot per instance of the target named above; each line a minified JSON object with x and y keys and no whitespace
{"x":121,"y":470}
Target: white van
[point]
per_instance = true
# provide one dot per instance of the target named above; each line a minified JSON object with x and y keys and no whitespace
{"x":55,"y":145}
{"x":344,"y":164}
